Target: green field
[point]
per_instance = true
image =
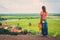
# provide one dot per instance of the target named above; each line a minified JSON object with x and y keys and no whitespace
{"x":53,"y":25}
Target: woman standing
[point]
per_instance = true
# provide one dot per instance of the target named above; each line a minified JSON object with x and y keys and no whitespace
{"x":43,"y":15}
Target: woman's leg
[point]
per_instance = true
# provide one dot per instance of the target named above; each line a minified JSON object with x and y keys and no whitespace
{"x":44,"y":29}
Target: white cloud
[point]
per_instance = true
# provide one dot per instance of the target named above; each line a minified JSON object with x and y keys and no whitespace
{"x":12,"y":6}
{"x":20,"y":5}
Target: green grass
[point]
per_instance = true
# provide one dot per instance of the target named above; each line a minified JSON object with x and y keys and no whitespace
{"x":53,"y":25}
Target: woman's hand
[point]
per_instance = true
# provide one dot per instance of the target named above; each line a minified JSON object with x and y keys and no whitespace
{"x":43,"y":21}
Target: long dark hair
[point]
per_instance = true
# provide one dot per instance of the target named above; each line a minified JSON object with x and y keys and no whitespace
{"x":43,"y":8}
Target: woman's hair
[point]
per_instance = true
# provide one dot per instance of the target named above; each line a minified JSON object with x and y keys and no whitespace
{"x":44,"y":8}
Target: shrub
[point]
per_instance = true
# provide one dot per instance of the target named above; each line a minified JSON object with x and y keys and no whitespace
{"x":24,"y":32}
{"x":19,"y":28}
{"x":13,"y":33}
{"x":33,"y":32}
{"x":4,"y":31}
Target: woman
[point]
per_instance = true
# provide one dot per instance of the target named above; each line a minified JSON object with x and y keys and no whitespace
{"x":43,"y":15}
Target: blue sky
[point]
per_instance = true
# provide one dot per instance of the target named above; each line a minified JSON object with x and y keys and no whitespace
{"x":29,"y":6}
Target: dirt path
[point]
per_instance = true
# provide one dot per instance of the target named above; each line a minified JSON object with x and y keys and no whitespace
{"x":27,"y":37}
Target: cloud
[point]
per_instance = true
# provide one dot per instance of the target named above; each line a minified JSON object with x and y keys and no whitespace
{"x":28,"y":6}
{"x":50,"y":1}
{"x":53,"y":7}
{"x":20,"y":5}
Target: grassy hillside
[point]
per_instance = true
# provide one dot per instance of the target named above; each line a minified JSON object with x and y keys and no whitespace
{"x":53,"y":25}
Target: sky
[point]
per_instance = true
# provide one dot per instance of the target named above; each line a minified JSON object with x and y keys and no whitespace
{"x":29,"y":6}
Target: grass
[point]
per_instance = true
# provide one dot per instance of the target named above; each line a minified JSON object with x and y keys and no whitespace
{"x":53,"y":25}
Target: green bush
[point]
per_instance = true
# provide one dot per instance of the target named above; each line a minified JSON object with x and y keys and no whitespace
{"x":19,"y":28}
{"x":4,"y":31}
{"x":33,"y":32}
{"x":13,"y":33}
{"x":24,"y":32}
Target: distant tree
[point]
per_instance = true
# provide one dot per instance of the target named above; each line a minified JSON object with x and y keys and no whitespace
{"x":0,"y":18}
{"x":0,"y":24}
